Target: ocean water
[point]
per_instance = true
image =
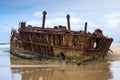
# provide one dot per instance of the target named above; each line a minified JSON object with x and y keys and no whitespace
{"x":14,"y":68}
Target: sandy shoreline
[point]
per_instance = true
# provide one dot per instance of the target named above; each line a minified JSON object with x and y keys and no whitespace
{"x":115,"y":55}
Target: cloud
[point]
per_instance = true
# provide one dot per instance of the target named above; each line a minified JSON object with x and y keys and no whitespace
{"x":56,"y":18}
{"x":33,"y":22}
{"x":76,"y":23}
{"x":38,"y":14}
{"x":113,"y":20}
{"x":59,"y":18}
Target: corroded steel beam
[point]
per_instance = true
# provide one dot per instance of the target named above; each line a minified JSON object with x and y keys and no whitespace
{"x":44,"y":16}
{"x":85,"y":35}
{"x":68,"y":21}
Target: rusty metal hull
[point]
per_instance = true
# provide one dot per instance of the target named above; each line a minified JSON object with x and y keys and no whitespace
{"x":64,"y":54}
{"x":61,"y":46}
{"x":79,"y":59}
{"x":58,"y":43}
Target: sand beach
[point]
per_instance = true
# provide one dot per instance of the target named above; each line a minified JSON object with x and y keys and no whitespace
{"x":114,"y":53}
{"x":14,"y":68}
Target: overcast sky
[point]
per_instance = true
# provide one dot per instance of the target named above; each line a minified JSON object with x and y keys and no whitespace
{"x":103,"y":14}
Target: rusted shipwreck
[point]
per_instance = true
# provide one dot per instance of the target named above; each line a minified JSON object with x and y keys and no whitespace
{"x":59,"y":42}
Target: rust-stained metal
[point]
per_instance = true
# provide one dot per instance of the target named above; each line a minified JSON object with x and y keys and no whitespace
{"x":44,"y":16}
{"x":68,"y":21}
{"x":85,"y":36}
{"x":58,"y":43}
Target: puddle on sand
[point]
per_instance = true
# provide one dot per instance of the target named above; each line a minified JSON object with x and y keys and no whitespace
{"x":22,"y":69}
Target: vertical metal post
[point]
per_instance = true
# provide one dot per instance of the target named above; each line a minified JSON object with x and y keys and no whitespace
{"x":44,"y":16}
{"x":23,"y":24}
{"x":85,"y":35}
{"x":84,"y":42}
{"x":68,"y":21}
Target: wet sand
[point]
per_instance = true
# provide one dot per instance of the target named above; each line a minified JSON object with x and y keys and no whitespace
{"x":14,"y":68}
{"x":115,"y":54}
